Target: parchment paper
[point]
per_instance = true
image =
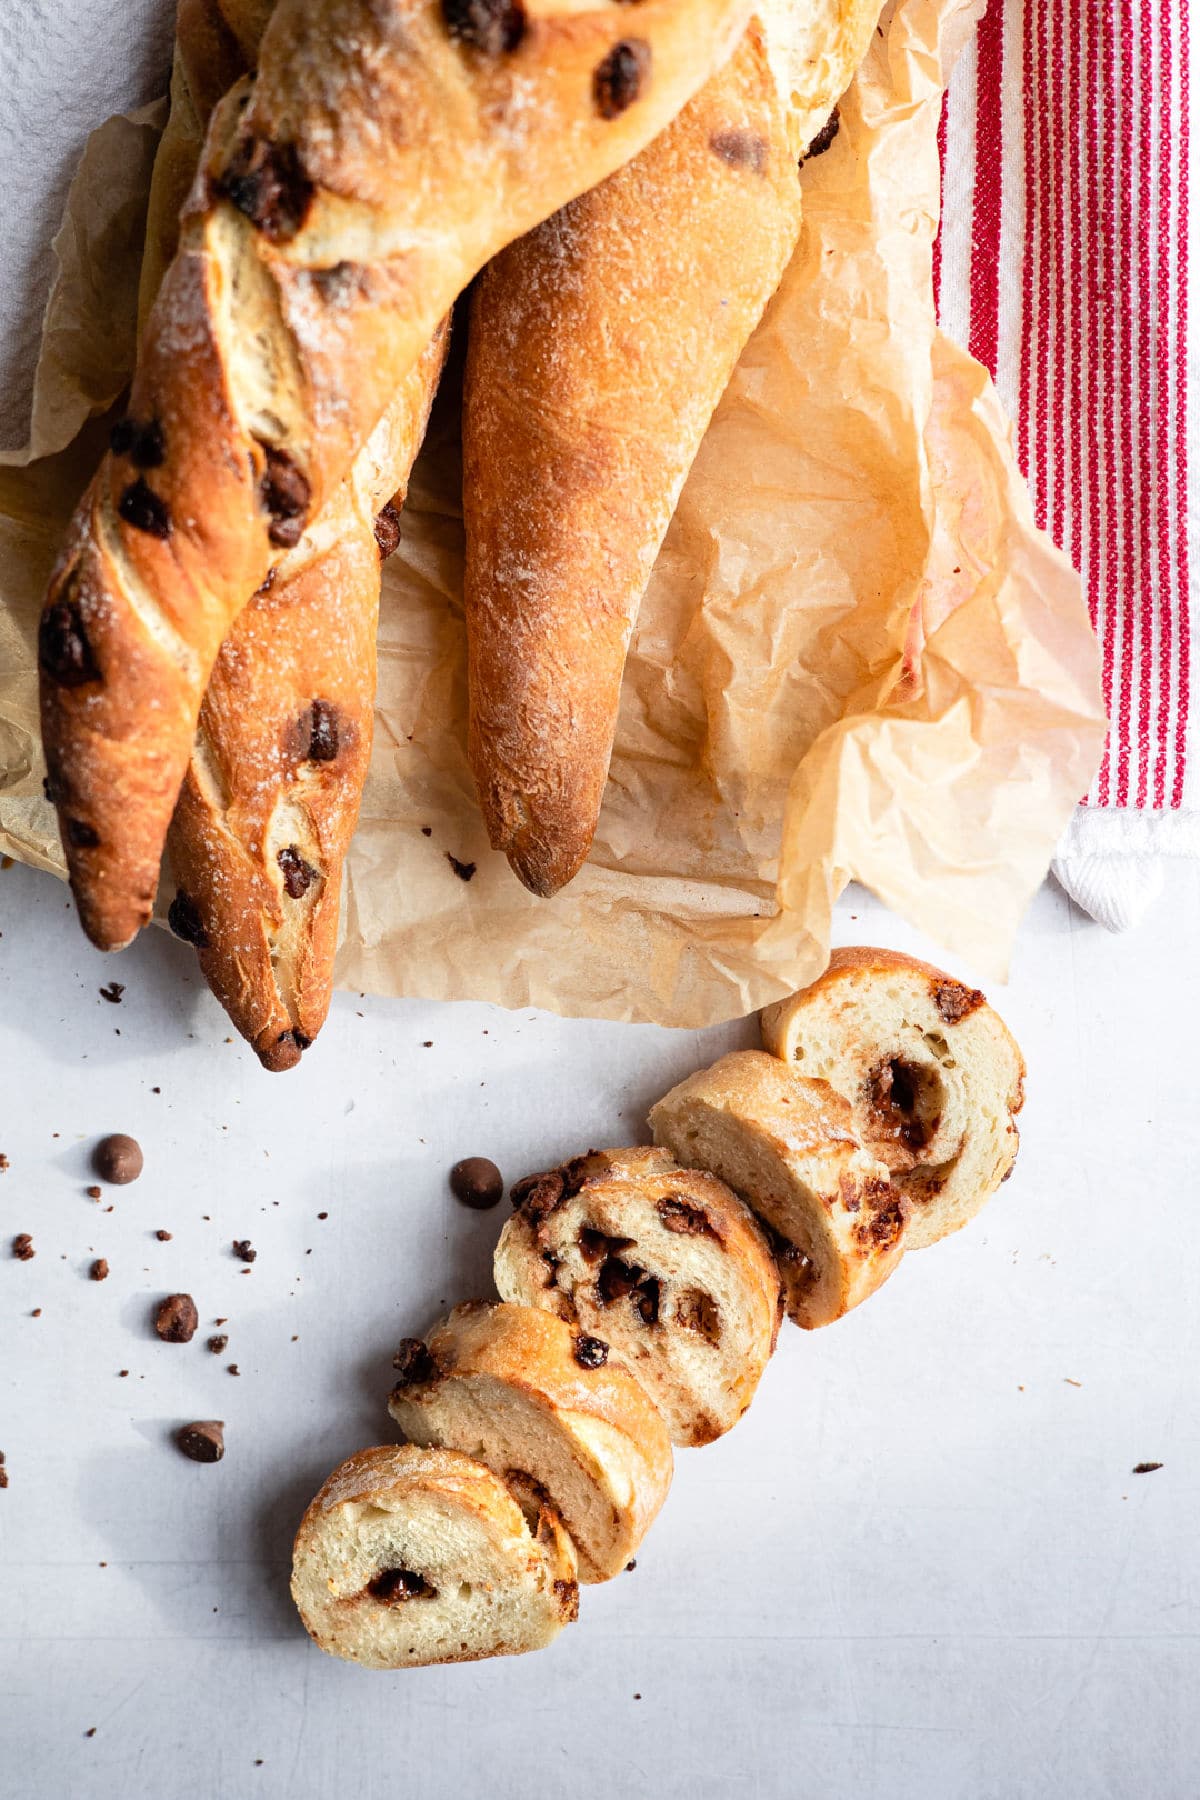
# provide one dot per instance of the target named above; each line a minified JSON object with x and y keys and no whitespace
{"x":857,"y":657}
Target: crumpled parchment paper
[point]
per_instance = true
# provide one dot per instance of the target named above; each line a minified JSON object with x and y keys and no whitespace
{"x":857,"y":657}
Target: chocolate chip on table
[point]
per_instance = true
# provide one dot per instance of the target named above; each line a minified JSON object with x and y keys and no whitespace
{"x":112,"y":993}
{"x":176,"y":1319}
{"x":489,"y":26}
{"x":413,"y":1363}
{"x":3,"y":1162}
{"x":233,"y":1369}
{"x":98,"y":1270}
{"x":620,"y":78}
{"x":145,"y":510}
{"x":477,"y":1182}
{"x":244,"y":1250}
{"x":164,"y":1237}
{"x":93,"y":1193}
{"x":118,"y":1159}
{"x":464,"y":870}
{"x":183,"y":916}
{"x":1145,"y":1468}
{"x":64,"y":652}
{"x":298,"y":875}
{"x":267,"y":182}
{"x":22,"y":1247}
{"x":203,"y":1440}
{"x":387,"y":531}
{"x":218,"y":1344}
{"x":591,"y":1352}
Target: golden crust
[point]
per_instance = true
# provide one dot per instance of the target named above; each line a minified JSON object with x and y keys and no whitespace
{"x":344,"y":201}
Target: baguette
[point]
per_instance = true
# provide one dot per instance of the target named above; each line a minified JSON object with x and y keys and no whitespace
{"x":664,"y":1263}
{"x":271,"y":795}
{"x":787,"y":1145}
{"x":933,"y":1077}
{"x":517,"y":1389}
{"x":345,"y":197}
{"x":410,"y":1556}
{"x":599,"y":346}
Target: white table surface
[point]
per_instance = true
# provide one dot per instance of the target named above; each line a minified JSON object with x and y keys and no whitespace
{"x":921,"y":1566}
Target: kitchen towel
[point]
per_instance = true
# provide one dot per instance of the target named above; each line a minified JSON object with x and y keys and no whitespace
{"x":1062,"y":264}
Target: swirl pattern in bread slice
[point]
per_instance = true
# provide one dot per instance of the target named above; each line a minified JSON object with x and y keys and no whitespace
{"x":933,"y":1077}
{"x":788,"y":1147}
{"x":663,"y":1263}
{"x":410,"y":1556}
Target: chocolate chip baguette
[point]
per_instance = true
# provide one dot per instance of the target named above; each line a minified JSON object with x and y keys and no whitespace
{"x":599,"y":347}
{"x":273,"y":787}
{"x":385,"y":151}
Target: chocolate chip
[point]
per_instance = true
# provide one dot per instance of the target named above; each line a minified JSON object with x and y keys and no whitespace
{"x":568,"y":1599}
{"x":387,"y":531}
{"x":53,"y":791}
{"x":619,"y":79}
{"x":218,"y":1344}
{"x":687,"y":1218}
{"x":183,"y":916}
{"x":244,"y":1250}
{"x":93,"y":1193}
{"x":413,"y":1363}
{"x":233,"y":1369}
{"x":647,"y":1300}
{"x":285,"y":492}
{"x":118,"y":1159}
{"x":112,"y":993}
{"x":464,"y":870}
{"x":477,"y":1182}
{"x":145,"y":510}
{"x":63,"y":649}
{"x":392,"y":1587}
{"x":144,"y":445}
{"x":3,"y":1476}
{"x":322,"y":732}
{"x":490,"y":26}
{"x":1145,"y":1468}
{"x":740,"y":148}
{"x":954,"y":1001}
{"x":22,"y":1247}
{"x":203,"y":1440}
{"x":294,"y":1037}
{"x":617,"y":1279}
{"x":591,"y":1352}
{"x":824,"y":137}
{"x":98,"y":1270}
{"x":81,"y":835}
{"x":267,"y":182}
{"x":298,"y":875}
{"x":595,"y":1245}
{"x":164,"y":1237}
{"x":176,"y":1319}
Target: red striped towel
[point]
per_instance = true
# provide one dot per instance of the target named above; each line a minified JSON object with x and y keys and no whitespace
{"x":1062,"y":265}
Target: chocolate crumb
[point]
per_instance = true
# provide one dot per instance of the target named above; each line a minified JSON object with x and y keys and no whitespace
{"x":1146,"y":1468}
{"x":176,"y":1319}
{"x":824,"y":137}
{"x":233,"y":1369}
{"x":90,"y":1732}
{"x":427,"y":831}
{"x":122,"y":1372}
{"x":112,"y":993}
{"x":464,"y":870}
{"x":218,"y":1344}
{"x":954,"y":1001}
{"x":98,"y":1270}
{"x":164,"y":1237}
{"x":118,"y":1159}
{"x":244,"y":1250}
{"x":591,"y":1352}
{"x":267,"y":182}
{"x":387,"y":531}
{"x":203,"y":1440}
{"x":93,"y":1193}
{"x":22,"y":1247}
{"x":3,"y":1162}
{"x":631,"y":1565}
{"x":323,"y":1215}
{"x":477,"y":1183}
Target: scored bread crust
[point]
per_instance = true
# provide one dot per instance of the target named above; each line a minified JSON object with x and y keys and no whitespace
{"x":933,"y":1076}
{"x":665,"y":1264}
{"x":599,"y":346}
{"x":469,"y":1533}
{"x":512,"y":1387}
{"x":345,"y":198}
{"x":788,"y":1146}
{"x":262,"y":781}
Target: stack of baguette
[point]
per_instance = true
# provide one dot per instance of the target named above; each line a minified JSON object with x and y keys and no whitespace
{"x":334,"y":174}
{"x":642,"y":1292}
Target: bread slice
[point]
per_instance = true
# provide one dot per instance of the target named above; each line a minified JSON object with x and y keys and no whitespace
{"x":787,"y":1145}
{"x":410,"y":1556}
{"x":933,"y":1076}
{"x":663,"y":1263}
{"x":521,"y":1391}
